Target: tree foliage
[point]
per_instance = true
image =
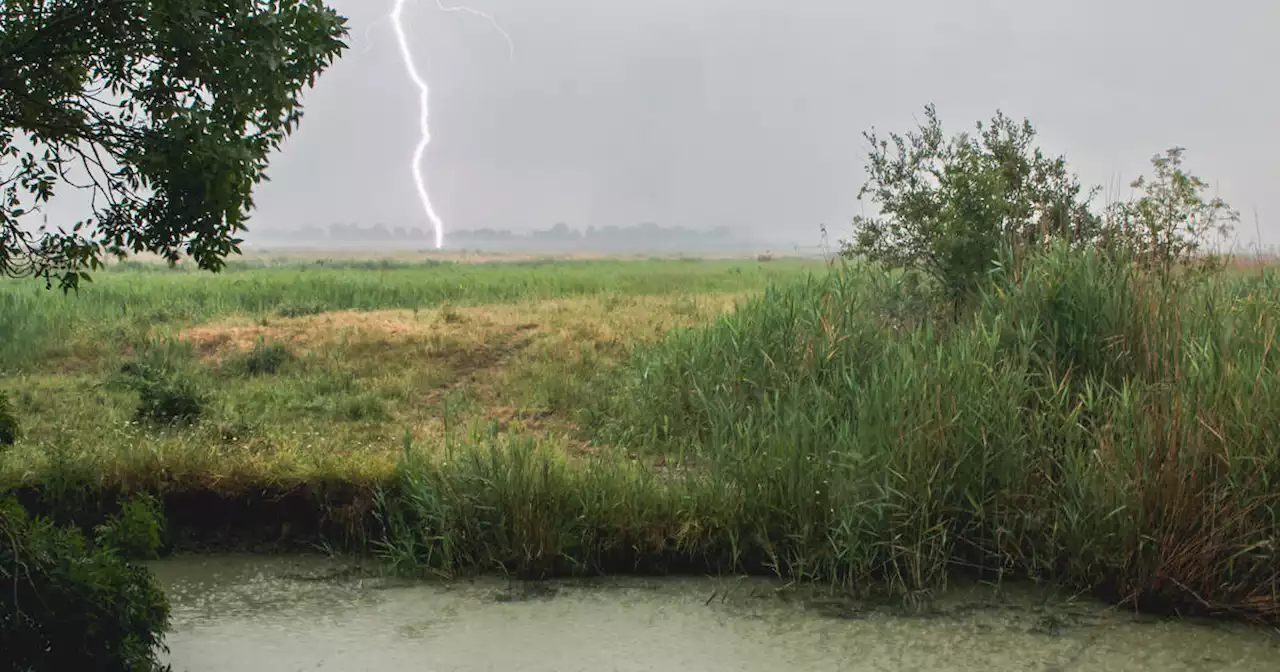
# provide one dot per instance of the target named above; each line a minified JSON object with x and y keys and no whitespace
{"x":164,"y":110}
{"x":70,"y":604}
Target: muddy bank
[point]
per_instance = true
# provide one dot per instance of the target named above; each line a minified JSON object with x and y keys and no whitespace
{"x":270,"y":519}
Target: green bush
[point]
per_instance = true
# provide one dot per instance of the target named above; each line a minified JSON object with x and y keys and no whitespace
{"x":949,"y":207}
{"x":9,"y":428}
{"x":1173,"y":218}
{"x":953,"y":208}
{"x":167,"y":391}
{"x":365,"y":406}
{"x":169,"y":400}
{"x":71,"y":605}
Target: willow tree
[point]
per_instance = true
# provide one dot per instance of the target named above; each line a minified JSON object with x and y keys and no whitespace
{"x":164,"y":111}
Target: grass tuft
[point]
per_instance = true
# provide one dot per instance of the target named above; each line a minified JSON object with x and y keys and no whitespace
{"x":264,"y":359}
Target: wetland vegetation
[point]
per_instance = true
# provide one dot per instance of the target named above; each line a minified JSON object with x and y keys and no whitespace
{"x":992,"y":381}
{"x":1083,"y":423}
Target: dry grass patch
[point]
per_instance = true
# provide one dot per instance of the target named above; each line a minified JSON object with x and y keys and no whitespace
{"x":605,"y":323}
{"x":305,"y":333}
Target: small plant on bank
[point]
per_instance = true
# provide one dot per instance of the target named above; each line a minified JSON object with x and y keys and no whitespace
{"x":449,"y":314}
{"x":134,"y":532}
{"x":169,"y":401}
{"x":361,"y":407}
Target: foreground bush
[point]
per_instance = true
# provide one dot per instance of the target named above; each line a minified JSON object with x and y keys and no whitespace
{"x":1087,"y":423}
{"x":67,"y":604}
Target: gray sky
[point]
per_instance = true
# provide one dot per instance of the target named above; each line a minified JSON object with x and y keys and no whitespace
{"x":749,"y":113}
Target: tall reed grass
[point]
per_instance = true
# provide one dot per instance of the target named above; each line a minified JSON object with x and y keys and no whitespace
{"x":1083,"y":424}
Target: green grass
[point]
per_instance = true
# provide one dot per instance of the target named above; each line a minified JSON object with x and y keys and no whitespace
{"x":123,"y":303}
{"x":272,"y":375}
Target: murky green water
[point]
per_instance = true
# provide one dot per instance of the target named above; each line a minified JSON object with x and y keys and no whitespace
{"x":244,"y":613}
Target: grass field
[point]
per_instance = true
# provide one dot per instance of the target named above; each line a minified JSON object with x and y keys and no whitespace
{"x":320,"y":369}
{"x":1082,"y":423}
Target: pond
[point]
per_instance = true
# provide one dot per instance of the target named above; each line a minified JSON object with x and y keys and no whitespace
{"x":301,"y":613}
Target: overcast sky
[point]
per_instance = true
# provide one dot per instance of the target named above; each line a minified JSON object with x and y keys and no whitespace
{"x":749,"y":113}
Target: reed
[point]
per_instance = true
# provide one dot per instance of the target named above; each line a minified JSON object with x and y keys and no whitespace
{"x":1084,"y":423}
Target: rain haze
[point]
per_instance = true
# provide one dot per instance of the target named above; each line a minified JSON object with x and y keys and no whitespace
{"x":749,"y":114}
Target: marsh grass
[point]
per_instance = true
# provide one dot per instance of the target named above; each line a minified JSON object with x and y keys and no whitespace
{"x":1084,"y":424}
{"x":521,"y":507}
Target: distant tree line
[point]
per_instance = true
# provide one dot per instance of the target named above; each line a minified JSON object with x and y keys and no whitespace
{"x":645,"y":237}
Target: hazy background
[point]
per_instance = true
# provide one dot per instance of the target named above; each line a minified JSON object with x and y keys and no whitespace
{"x":748,"y":114}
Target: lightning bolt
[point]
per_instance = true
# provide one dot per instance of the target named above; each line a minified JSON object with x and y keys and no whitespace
{"x":424,"y":98}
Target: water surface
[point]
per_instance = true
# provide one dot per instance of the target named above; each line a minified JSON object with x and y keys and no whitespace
{"x":284,"y":614}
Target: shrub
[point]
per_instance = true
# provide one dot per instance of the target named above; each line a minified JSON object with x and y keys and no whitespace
{"x":450,"y":314}
{"x":166,"y":396}
{"x":169,"y":402}
{"x":1173,"y":218}
{"x":9,"y":428}
{"x":948,"y":207}
{"x":70,"y":605}
{"x":953,"y":208}
{"x":360,"y":407}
